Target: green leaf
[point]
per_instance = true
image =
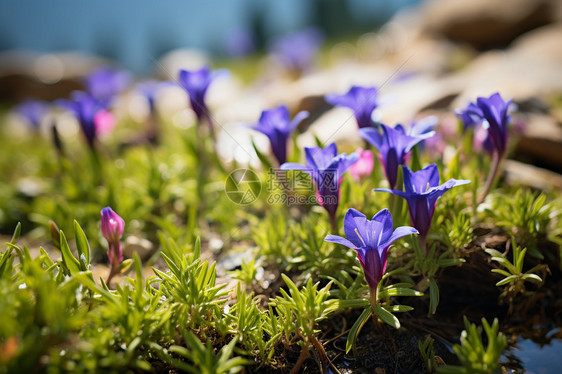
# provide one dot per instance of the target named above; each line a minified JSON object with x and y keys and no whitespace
{"x":356,"y":328}
{"x":507,"y":280}
{"x":399,"y":292}
{"x":501,"y":271}
{"x":399,"y":308}
{"x":81,"y":242}
{"x":264,"y":160}
{"x":319,"y":143}
{"x":433,"y":296}
{"x":532,"y":277}
{"x":352,"y":303}
{"x":17,"y":233}
{"x":125,"y":265}
{"x":71,"y":263}
{"x":387,"y":317}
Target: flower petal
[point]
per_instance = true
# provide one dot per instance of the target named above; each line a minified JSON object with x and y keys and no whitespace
{"x":339,"y":240}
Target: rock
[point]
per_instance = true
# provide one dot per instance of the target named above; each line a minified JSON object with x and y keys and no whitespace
{"x":543,"y":43}
{"x":521,"y":173}
{"x":541,"y":141}
{"x":43,"y":76}
{"x":513,"y":74}
{"x":486,"y":23}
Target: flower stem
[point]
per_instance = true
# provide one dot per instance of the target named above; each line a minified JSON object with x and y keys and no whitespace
{"x":373,"y":294}
{"x":303,"y":356}
{"x":423,"y":246}
{"x":333,"y":222}
{"x":113,"y":272}
{"x":496,"y":160}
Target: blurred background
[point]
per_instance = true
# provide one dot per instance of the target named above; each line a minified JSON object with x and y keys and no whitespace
{"x":137,"y":33}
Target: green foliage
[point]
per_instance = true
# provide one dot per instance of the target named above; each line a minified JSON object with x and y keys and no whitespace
{"x":515,"y":279}
{"x":381,"y":307}
{"x":203,"y":358}
{"x":252,"y":326}
{"x":195,"y":300}
{"x":249,"y":271}
{"x":474,"y":357}
{"x":428,"y":354}
{"x":525,"y":216}
{"x":457,"y":233}
{"x":300,"y":311}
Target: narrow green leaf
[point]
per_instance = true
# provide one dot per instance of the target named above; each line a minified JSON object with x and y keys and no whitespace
{"x":264,"y":160}
{"x":356,"y":328}
{"x":507,"y":280}
{"x":532,"y":277}
{"x":433,"y":296}
{"x":399,"y":308}
{"x":81,"y":242}
{"x":352,"y":303}
{"x":72,"y":264}
{"x":197,"y":249}
{"x":399,"y":292}
{"x":125,"y":265}
{"x":501,"y":271}
{"x":387,"y":317}
{"x":17,"y":233}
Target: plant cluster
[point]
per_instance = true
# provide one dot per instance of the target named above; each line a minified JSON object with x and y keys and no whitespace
{"x":79,"y":298}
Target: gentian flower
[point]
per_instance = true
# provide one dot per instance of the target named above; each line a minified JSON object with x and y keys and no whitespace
{"x":91,"y":114}
{"x":371,"y":240}
{"x":196,"y":84}
{"x":364,"y":165}
{"x":393,"y":146}
{"x":423,"y":127}
{"x":492,"y":113}
{"x":112,"y":226}
{"x":326,"y":168}
{"x":106,"y":82}
{"x":422,"y":190}
{"x":275,"y":124}
{"x":362,"y":100}
{"x":33,"y":111}
{"x":296,"y":51}
{"x":470,"y":116}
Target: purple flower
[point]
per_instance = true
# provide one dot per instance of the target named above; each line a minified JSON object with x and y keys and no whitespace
{"x":362,"y":100}
{"x":470,"y":116}
{"x":33,"y":111}
{"x":371,"y":240}
{"x":296,"y":51}
{"x":106,"y":82}
{"x":196,"y":84}
{"x":493,"y":113}
{"x":393,"y":146}
{"x":422,"y":190}
{"x":275,"y":124}
{"x":423,"y":127}
{"x":112,"y":227}
{"x":90,"y":113}
{"x":326,"y":168}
